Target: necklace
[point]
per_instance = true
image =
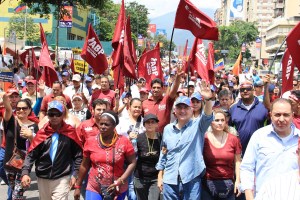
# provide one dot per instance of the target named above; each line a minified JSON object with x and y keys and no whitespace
{"x":150,"y":150}
{"x":114,"y":139}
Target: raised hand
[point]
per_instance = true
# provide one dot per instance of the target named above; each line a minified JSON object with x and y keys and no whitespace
{"x":205,"y":90}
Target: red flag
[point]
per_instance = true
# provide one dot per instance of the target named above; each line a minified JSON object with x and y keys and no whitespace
{"x":185,"y":58}
{"x":93,"y":52}
{"x":35,"y":68}
{"x":211,"y":62}
{"x":119,"y":29}
{"x":198,"y":59}
{"x":119,"y":79}
{"x":287,"y":71}
{"x":189,"y":17}
{"x":24,"y":58}
{"x":293,"y":44}
{"x":133,"y":51}
{"x":129,"y":62}
{"x":72,"y":66}
{"x":49,"y":74}
{"x":237,"y":68}
{"x":149,"y":66}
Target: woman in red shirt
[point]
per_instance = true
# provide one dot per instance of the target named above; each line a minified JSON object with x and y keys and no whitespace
{"x":222,"y":157}
{"x":106,"y":154}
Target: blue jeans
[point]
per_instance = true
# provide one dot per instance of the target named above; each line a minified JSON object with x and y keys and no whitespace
{"x":3,"y":174}
{"x":131,"y":193}
{"x":190,"y":190}
{"x":89,"y":195}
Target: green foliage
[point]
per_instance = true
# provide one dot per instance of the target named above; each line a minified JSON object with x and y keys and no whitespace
{"x":17,"y":23}
{"x":165,"y":44}
{"x":138,"y":18}
{"x":43,"y":7}
{"x":108,"y":18}
{"x":233,"y":36}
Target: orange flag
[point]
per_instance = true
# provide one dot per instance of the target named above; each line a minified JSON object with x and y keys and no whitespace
{"x":237,"y":68}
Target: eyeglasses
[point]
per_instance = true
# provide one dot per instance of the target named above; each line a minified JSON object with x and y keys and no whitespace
{"x":56,"y":114}
{"x":21,"y":108}
{"x":295,"y":85}
{"x":218,"y":77}
{"x":247,"y":89}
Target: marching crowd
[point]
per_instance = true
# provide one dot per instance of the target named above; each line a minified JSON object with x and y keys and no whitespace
{"x":181,"y":138}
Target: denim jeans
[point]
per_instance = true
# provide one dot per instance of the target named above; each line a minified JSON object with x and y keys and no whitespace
{"x":3,"y":174}
{"x":89,"y":195}
{"x":146,"y":189}
{"x":187,"y":191}
{"x":131,"y":193}
{"x":207,"y":196}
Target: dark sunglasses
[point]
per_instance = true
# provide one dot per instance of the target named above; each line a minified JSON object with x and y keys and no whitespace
{"x":218,"y":77}
{"x":247,"y":89}
{"x":56,"y":114}
{"x":21,"y":108}
{"x":295,"y":84}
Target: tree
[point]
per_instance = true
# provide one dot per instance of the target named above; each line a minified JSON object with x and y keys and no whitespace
{"x":233,"y":36}
{"x":43,"y":7}
{"x":139,"y":18}
{"x":165,"y":44}
{"x":17,"y":24}
{"x":108,"y":18}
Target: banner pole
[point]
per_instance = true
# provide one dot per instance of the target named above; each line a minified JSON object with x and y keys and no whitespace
{"x":273,"y":60}
{"x":170,"y":47}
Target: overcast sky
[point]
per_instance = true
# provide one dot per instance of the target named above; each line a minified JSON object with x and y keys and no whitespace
{"x":161,"y":7}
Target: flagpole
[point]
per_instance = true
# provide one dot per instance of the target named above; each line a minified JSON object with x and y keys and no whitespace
{"x":189,"y":69}
{"x":83,"y":76}
{"x":278,"y":78}
{"x":273,"y":60}
{"x":170,"y":50}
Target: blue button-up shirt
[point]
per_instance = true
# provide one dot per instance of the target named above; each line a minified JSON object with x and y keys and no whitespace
{"x":268,"y":156}
{"x":184,"y":150}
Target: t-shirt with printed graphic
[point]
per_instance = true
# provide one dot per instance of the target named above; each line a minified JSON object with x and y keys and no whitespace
{"x":102,"y":162}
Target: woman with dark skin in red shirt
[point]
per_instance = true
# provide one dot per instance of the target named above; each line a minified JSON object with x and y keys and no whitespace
{"x":104,"y":155}
{"x":222,"y":157}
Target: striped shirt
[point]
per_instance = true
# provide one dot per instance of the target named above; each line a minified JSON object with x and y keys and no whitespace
{"x":283,"y":187}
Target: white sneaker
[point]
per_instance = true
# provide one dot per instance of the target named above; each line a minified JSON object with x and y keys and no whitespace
{"x":2,"y":182}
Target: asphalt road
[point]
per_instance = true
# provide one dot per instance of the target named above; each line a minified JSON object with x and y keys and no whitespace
{"x":31,"y":194}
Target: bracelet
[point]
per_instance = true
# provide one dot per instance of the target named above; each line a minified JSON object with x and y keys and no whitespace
{"x":77,"y":186}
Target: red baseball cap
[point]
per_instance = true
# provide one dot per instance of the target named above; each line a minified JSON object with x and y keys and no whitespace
{"x":31,"y":81}
{"x":12,"y":91}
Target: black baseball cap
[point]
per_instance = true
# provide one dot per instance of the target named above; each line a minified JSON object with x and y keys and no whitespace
{"x":150,"y":116}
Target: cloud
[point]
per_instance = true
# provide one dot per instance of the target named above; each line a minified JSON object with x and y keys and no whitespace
{"x":161,"y":7}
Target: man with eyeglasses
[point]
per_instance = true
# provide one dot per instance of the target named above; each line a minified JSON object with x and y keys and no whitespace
{"x":57,"y":154}
{"x":248,"y":114}
{"x":181,"y":164}
{"x":295,"y":87}
{"x":271,"y":152}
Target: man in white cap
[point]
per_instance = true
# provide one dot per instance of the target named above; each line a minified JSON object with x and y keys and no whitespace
{"x":181,"y":163}
{"x":78,"y":88}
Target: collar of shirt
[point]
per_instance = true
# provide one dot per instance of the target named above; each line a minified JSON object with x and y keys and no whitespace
{"x":151,"y":98}
{"x":184,"y":127}
{"x":294,"y":131}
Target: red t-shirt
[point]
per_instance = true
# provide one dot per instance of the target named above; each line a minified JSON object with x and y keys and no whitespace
{"x":108,"y":96}
{"x":47,"y":99}
{"x":161,"y":108}
{"x":101,"y":160}
{"x":220,"y":161}
{"x":86,"y":129}
{"x":296,"y":121}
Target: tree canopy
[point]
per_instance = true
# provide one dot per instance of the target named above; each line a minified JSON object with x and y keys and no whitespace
{"x":17,"y":23}
{"x":233,"y":36}
{"x":44,"y":6}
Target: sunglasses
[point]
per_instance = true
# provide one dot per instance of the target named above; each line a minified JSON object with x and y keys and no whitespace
{"x":21,"y":108}
{"x":56,"y":114}
{"x":247,"y":89}
{"x":295,"y":84}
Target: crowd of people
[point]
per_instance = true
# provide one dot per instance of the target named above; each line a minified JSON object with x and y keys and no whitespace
{"x":181,"y":138}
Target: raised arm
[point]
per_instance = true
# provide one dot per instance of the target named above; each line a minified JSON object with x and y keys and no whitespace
{"x":8,"y":109}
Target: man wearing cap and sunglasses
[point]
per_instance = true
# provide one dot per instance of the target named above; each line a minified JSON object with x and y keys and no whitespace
{"x":248,"y":114}
{"x":181,"y":163}
{"x":57,"y":154}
